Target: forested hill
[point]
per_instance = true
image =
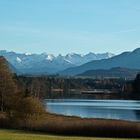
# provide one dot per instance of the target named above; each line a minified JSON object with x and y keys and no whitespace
{"x":117,"y":72}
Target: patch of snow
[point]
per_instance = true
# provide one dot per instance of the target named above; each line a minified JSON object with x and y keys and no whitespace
{"x":28,"y":53}
{"x":50,"y":57}
{"x":18,"y":60}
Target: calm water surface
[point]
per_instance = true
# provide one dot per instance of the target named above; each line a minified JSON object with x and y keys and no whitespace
{"x":108,"y":109}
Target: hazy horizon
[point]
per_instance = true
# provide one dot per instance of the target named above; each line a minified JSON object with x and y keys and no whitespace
{"x":69,"y":26}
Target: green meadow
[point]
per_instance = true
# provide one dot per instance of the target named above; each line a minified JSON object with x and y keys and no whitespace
{"x":24,"y":135}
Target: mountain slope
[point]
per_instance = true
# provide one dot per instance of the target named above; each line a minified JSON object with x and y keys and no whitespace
{"x":113,"y":72}
{"x":11,"y":67}
{"x":126,"y":59}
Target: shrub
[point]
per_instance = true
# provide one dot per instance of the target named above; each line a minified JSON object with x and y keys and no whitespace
{"x":29,"y":106}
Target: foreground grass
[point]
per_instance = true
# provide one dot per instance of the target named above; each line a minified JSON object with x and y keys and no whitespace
{"x":24,"y":135}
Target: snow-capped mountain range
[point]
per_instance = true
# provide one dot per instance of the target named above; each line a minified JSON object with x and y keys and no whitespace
{"x":129,"y":60}
{"x":44,"y":63}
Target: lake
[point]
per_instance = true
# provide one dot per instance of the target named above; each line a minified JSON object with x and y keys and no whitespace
{"x":108,"y":109}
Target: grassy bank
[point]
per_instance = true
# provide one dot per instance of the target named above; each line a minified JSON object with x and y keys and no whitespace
{"x":24,"y":135}
{"x":74,"y":126}
{"x":90,"y":127}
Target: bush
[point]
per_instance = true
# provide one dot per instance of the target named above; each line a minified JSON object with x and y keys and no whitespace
{"x":29,"y":106}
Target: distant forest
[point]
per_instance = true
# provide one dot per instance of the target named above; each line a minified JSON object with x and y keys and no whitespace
{"x":72,"y":87}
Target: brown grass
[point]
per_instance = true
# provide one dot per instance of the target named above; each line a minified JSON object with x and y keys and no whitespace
{"x":63,"y":125}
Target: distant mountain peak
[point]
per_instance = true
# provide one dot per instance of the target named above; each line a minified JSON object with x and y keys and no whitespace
{"x":50,"y":57}
{"x":27,"y":53}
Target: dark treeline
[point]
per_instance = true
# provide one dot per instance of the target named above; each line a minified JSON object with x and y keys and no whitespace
{"x":72,"y":87}
{"x":136,"y":87}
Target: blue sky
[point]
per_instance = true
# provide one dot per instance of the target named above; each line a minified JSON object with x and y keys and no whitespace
{"x":63,"y":26}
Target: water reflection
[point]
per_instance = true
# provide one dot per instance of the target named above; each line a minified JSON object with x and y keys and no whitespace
{"x":110,"y":109}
